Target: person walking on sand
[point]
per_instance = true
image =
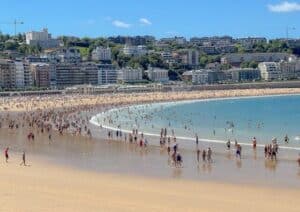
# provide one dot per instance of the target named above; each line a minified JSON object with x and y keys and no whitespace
{"x":209,"y":154}
{"x":23,"y":159}
{"x":198,"y":155}
{"x":299,"y":160}
{"x":204,"y":155}
{"x":6,"y":154}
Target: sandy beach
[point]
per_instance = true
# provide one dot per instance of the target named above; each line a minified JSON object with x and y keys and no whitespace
{"x":45,"y":187}
{"x":48,"y":185}
{"x":32,"y":103}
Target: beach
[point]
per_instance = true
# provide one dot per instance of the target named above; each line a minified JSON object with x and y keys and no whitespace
{"x":48,"y":187}
{"x":75,"y":172}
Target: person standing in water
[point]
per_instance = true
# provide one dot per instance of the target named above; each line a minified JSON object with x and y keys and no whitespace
{"x":254,"y":142}
{"x":23,"y":159}
{"x":286,"y":139}
{"x":197,"y":140}
{"x":228,"y":144}
{"x":6,"y":154}
{"x":239,"y":151}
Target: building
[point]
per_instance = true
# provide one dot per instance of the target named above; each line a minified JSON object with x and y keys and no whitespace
{"x":288,"y":70}
{"x":193,"y":58}
{"x":135,"y":50}
{"x":63,"y":55}
{"x":197,"y":77}
{"x":157,"y":74}
{"x":237,"y":58}
{"x":208,"y":49}
{"x":217,"y":76}
{"x":40,"y":74}
{"x":269,"y":71}
{"x":107,"y":74}
{"x":20,"y":74}
{"x":212,"y":41}
{"x":101,"y":54}
{"x":249,"y":42}
{"x":176,"y":40}
{"x":7,"y":74}
{"x":133,"y":40}
{"x":70,"y":74}
{"x":130,"y":75}
{"x":42,"y":39}
{"x":243,"y":74}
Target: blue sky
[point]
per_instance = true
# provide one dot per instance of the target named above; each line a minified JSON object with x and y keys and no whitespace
{"x":161,"y":18}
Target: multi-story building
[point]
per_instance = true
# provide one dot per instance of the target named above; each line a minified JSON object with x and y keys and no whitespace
{"x":237,"y":58}
{"x":63,"y":55}
{"x":101,"y":54}
{"x":157,"y":74}
{"x":20,"y":74}
{"x":193,"y":58}
{"x":7,"y":74}
{"x":243,"y":74}
{"x":197,"y":77}
{"x":107,"y":74}
{"x":135,"y":50}
{"x":212,"y":41}
{"x":130,"y":75}
{"x":69,"y":74}
{"x":40,"y":74}
{"x":269,"y":70}
{"x":176,"y":40}
{"x":42,"y":39}
{"x":251,"y":41}
{"x":288,"y":70}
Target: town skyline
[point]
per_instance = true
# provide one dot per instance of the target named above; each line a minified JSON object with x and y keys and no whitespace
{"x":270,"y":19}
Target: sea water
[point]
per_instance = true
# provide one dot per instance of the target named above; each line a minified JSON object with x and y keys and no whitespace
{"x":215,"y":120}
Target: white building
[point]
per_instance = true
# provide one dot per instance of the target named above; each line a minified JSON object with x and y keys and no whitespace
{"x":157,"y":74}
{"x":237,"y":58}
{"x":269,"y":71}
{"x":135,"y":50}
{"x":42,"y":39}
{"x":130,"y":75}
{"x":198,"y":77}
{"x":101,"y":54}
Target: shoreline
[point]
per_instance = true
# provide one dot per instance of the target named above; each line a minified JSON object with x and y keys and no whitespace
{"x":176,"y":102}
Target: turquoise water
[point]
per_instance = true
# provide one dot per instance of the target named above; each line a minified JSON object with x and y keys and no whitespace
{"x":242,"y":119}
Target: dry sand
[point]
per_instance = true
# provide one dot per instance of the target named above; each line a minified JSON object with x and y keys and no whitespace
{"x":44,"y":187}
{"x":30,"y":103}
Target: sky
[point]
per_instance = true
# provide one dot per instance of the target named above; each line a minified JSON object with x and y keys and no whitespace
{"x":160,"y":18}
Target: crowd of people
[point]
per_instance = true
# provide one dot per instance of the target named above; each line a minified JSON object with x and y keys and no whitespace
{"x":71,"y":114}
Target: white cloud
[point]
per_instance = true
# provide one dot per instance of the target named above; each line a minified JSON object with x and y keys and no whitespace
{"x":145,"y":21}
{"x":121,"y":24}
{"x":284,"y":7}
